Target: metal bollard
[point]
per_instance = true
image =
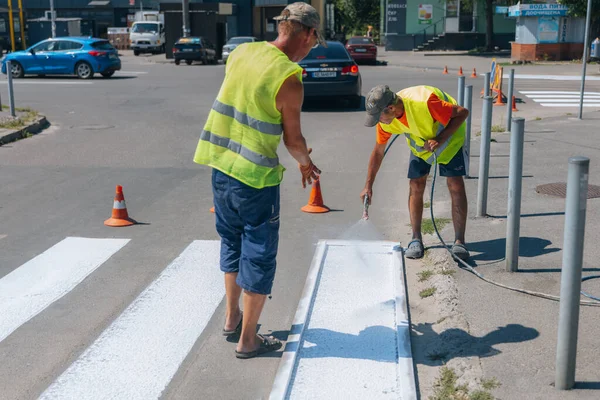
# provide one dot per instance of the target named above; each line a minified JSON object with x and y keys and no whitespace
{"x":484,"y":157}
{"x":486,"y":84}
{"x":467,"y":145}
{"x":11,"y":96}
{"x":515,"y":178}
{"x":511,"y":85}
{"x":461,"y":91}
{"x":570,"y":282}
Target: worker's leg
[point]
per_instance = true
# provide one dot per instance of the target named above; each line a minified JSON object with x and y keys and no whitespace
{"x":454,"y":172}
{"x":418,"y":170}
{"x":260,"y":211}
{"x":230,"y":227}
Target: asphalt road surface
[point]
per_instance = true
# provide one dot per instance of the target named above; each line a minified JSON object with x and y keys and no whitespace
{"x":140,"y":130}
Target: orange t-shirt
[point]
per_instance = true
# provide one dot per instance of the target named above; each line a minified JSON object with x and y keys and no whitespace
{"x":440,"y":110}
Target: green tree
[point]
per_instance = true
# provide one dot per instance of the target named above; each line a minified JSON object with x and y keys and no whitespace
{"x":356,"y":15}
{"x":578,"y":8}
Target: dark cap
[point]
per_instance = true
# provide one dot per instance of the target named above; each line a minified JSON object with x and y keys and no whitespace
{"x":305,"y":14}
{"x":376,"y":101}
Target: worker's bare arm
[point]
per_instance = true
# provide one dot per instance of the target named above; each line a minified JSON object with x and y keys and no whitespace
{"x":459,"y":115}
{"x":374,"y":164}
{"x":289,"y":102}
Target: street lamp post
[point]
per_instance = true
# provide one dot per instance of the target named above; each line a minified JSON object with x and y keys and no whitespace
{"x":585,"y":55}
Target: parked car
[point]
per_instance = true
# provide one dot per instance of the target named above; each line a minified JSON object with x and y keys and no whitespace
{"x":362,"y":49}
{"x":190,"y":49}
{"x":235,"y":42}
{"x":65,"y":56}
{"x":331,"y":72}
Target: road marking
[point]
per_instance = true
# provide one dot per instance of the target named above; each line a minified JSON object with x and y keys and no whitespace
{"x":556,"y":92}
{"x":565,"y":96}
{"x":29,"y":289}
{"x":40,"y":82}
{"x":133,"y":72}
{"x":574,"y":100}
{"x":552,"y":77}
{"x":361,"y":349}
{"x":570,"y":105}
{"x":547,"y":98}
{"x":139,"y":353}
{"x":3,"y":236}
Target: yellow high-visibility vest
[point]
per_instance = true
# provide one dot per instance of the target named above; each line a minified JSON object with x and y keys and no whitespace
{"x":244,"y":127}
{"x":423,"y":127}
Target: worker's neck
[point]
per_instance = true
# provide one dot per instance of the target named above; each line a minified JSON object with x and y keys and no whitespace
{"x":287,"y":47}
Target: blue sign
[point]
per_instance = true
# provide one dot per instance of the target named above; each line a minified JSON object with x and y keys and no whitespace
{"x":501,"y":9}
{"x":538,"y":10}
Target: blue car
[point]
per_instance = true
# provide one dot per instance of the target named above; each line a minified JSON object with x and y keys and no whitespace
{"x":65,"y":56}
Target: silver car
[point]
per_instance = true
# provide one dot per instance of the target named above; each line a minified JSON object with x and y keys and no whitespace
{"x":235,"y":42}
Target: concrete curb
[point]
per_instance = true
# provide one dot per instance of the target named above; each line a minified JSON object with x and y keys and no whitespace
{"x":38,"y":125}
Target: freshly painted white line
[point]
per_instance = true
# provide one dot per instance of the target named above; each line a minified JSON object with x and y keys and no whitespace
{"x":563,"y":96}
{"x":139,"y":353}
{"x":551,"y":77}
{"x":29,"y":289}
{"x":555,"y":92}
{"x":570,"y":104}
{"x":351,"y":340}
{"x":32,"y":82}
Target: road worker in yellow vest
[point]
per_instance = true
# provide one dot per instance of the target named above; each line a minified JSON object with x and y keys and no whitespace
{"x":431,"y":121}
{"x":259,"y":102}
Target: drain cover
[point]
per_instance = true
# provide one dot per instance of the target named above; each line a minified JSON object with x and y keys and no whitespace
{"x":559,"y":189}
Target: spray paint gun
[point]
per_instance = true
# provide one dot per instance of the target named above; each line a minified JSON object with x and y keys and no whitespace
{"x":366,"y":207}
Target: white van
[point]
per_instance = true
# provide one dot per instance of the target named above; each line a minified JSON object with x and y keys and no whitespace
{"x":147,"y":37}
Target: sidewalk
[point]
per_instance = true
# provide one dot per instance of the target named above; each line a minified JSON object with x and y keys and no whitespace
{"x":514,"y":335}
{"x":453,"y":61}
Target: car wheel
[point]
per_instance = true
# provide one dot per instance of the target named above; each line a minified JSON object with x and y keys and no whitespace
{"x":107,"y":74}
{"x":177,"y":62}
{"x":188,"y":62}
{"x":136,"y":52}
{"x":83,"y":70}
{"x":17,"y":70}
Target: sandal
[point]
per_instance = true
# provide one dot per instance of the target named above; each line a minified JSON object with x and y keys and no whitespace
{"x":460,"y":251}
{"x":269,"y":343}
{"x":415,"y":249}
{"x":237,"y":330}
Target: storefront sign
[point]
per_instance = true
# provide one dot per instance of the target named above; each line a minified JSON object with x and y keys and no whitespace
{"x":537,"y":10}
{"x":501,"y":10}
{"x":396,"y":16}
{"x":425,"y":13}
{"x":451,"y":8}
{"x":548,"y":29}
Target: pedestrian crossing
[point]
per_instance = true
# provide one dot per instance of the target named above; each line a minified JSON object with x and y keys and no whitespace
{"x":562,"y":98}
{"x":138,"y":353}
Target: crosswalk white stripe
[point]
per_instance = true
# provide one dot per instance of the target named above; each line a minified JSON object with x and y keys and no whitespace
{"x":552,"y":77}
{"x":38,"y":82}
{"x":565,"y":100}
{"x":555,"y":92}
{"x":139,"y":353}
{"x":29,"y":289}
{"x":570,"y":104}
{"x":563,"y":96}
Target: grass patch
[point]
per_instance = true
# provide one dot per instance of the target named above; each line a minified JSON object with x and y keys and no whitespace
{"x":27,"y":117}
{"x":490,"y":384}
{"x":497,"y":128}
{"x":569,"y":114}
{"x":446,"y":271}
{"x":427,"y":224}
{"x":445,"y":388}
{"x":424,"y":275}
{"x":427,"y":204}
{"x":439,"y":321}
{"x":427,"y":292}
{"x":537,"y":119}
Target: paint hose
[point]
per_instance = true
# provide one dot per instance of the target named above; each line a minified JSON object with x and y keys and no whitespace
{"x":464,"y":265}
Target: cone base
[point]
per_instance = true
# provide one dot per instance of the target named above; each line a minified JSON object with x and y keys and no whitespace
{"x":212,"y":210}
{"x":315,"y":209}
{"x":119,"y":222}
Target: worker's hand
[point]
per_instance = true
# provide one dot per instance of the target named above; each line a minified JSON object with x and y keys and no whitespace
{"x":368,"y":192}
{"x":309,"y":172}
{"x":431,"y":145}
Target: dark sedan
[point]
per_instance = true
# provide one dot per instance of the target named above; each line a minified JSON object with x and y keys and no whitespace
{"x":190,"y":49}
{"x":331,"y":72}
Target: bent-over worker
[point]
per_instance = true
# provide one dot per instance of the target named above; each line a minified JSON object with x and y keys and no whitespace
{"x":432,"y":121}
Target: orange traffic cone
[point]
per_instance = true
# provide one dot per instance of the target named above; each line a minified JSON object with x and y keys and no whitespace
{"x":315,"y":202}
{"x":514,"y":104}
{"x":460,"y":73}
{"x":445,"y":70}
{"x":474,"y":74}
{"x":212,"y":210}
{"x":500,"y":99}
{"x":119,"y":212}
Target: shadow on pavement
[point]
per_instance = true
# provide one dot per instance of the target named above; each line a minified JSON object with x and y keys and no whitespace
{"x":494,"y":249}
{"x":437,"y":349}
{"x":548,"y":214}
{"x":332,"y":104}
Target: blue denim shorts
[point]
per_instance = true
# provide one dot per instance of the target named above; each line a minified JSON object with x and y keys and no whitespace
{"x":417,"y":167}
{"x":247,"y":219}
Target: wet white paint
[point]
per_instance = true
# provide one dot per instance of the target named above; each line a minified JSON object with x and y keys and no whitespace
{"x":29,"y":289}
{"x":353,"y":342}
{"x":139,"y":353}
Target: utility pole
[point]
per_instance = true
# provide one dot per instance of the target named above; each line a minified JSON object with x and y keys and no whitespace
{"x":585,"y":55}
{"x":11,"y":25}
{"x":22,"y":25}
{"x":185,"y":5}
{"x":52,"y":19}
